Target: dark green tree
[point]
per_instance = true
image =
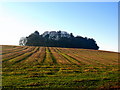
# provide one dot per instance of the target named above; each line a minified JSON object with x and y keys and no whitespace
{"x":35,"y":39}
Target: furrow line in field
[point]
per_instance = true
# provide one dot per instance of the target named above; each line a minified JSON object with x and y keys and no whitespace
{"x":7,"y":47}
{"x":102,"y":57}
{"x":16,"y":54}
{"x":12,"y":51}
{"x":10,"y":54}
{"x":52,"y":56}
{"x":93,"y":58}
{"x":60,"y":59}
{"x":36,"y":58}
{"x":23,"y":57}
{"x":80,"y":58}
{"x":48,"y":59}
{"x":31,"y":60}
{"x":74,"y":62}
{"x":43,"y":56}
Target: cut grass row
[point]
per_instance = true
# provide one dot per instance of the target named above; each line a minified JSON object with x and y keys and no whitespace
{"x":60,"y":59}
{"x":49,"y":59}
{"x":16,"y":54}
{"x":19,"y":58}
{"x":80,"y":58}
{"x":35,"y":58}
{"x":72,"y":57}
{"x":91,"y":58}
{"x":111,"y":56}
{"x":16,"y":49}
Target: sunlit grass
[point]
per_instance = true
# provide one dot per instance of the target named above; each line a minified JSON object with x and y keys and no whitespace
{"x":48,"y":67}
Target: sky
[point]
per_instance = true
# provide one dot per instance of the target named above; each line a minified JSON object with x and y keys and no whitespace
{"x":97,"y":20}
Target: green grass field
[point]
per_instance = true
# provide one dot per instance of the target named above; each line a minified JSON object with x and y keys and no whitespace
{"x":52,"y":67}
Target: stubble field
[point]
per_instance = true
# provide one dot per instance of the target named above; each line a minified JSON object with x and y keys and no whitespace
{"x":53,"y":67}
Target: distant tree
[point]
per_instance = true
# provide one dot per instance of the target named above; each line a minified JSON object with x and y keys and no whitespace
{"x":23,"y":41}
{"x":47,"y":36}
{"x":33,"y":39}
{"x":59,"y":34}
{"x":36,"y":32}
{"x":71,"y":35}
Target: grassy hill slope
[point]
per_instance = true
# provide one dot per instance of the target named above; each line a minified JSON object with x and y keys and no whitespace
{"x":53,"y":67}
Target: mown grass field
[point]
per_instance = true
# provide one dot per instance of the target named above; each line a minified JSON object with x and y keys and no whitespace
{"x":52,"y":67}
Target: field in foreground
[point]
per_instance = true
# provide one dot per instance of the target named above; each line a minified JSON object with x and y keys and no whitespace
{"x":52,"y":67}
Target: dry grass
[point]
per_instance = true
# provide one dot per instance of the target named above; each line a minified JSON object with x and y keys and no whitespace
{"x":52,"y":67}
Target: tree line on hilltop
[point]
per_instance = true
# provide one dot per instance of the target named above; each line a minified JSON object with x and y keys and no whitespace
{"x":58,"y":39}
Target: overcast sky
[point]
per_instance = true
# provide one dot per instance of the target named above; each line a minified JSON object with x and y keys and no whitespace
{"x":98,"y":20}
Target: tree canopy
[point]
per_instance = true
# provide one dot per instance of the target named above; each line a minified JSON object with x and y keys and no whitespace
{"x":58,"y":39}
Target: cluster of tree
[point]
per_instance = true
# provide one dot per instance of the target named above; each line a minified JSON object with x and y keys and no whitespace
{"x":35,"y":39}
